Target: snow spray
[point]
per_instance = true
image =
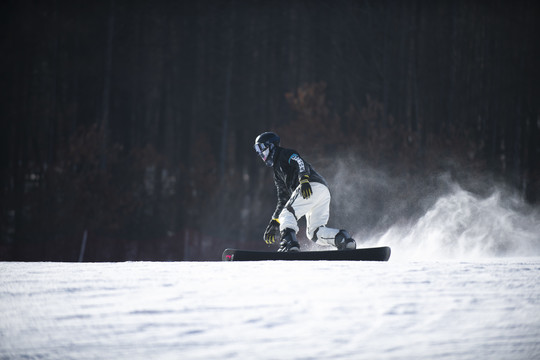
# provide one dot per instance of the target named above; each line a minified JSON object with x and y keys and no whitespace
{"x":464,"y":225}
{"x":433,"y":218}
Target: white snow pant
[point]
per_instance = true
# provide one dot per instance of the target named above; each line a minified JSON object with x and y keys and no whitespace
{"x":316,"y":209}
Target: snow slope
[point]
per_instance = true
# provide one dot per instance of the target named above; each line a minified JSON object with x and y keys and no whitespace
{"x":463,"y":282}
{"x":482,"y":309}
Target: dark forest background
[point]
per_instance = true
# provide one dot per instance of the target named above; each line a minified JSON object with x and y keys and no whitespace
{"x":127,"y":125}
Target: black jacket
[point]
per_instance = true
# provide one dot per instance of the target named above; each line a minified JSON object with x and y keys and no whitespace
{"x":289,"y":167}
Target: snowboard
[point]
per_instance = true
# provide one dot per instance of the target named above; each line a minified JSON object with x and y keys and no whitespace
{"x":365,"y":254}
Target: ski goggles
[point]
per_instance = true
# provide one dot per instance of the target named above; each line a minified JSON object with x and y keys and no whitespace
{"x":263,"y":150}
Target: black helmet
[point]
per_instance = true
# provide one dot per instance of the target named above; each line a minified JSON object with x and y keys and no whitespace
{"x":265,"y":146}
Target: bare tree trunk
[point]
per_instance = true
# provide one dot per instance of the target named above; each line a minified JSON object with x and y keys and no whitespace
{"x":107,"y":86}
{"x":227,"y":101}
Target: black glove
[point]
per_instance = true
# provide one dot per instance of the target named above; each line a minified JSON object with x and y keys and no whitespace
{"x":271,"y":232}
{"x":305,"y":187}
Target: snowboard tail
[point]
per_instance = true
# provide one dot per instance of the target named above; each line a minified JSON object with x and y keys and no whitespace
{"x":366,"y":254}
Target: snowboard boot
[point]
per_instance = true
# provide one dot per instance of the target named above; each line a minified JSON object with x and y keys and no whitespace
{"x":288,"y":241}
{"x":344,"y":241}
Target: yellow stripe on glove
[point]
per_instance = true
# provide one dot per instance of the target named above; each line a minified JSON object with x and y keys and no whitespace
{"x":305,"y":187}
{"x":271,"y":232}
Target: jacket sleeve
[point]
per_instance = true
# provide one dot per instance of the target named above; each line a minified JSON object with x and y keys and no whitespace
{"x":282,"y":195}
{"x":296,"y":161}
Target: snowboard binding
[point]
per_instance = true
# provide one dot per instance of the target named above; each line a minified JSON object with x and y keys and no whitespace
{"x":344,"y":241}
{"x":288,"y":241}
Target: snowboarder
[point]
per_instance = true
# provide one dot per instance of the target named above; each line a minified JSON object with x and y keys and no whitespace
{"x":301,"y":192}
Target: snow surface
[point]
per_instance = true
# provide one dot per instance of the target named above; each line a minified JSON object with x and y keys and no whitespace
{"x":463,"y":282}
{"x":482,"y":309}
